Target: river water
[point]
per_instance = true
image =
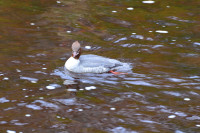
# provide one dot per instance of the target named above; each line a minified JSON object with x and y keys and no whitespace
{"x":159,"y":40}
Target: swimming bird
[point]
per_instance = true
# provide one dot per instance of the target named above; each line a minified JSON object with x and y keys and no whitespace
{"x":78,"y":63}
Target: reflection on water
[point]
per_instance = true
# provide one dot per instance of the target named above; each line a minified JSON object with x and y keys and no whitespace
{"x":158,"y":41}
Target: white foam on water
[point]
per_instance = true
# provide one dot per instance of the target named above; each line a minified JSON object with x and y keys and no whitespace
{"x":88,"y":47}
{"x":32,"y":24}
{"x":171,"y":116}
{"x":18,"y":70}
{"x":50,"y":87}
{"x":53,"y":86}
{"x":5,"y":78}
{"x":28,"y":115}
{"x":80,"y":109}
{"x":90,"y":88}
{"x":148,"y":2}
{"x":130,"y":8}
{"x":114,"y":11}
{"x":112,"y":108}
{"x":58,"y":1}
{"x":161,"y":31}
{"x":187,"y":99}
{"x":10,"y":131}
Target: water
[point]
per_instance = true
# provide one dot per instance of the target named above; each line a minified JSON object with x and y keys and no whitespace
{"x":159,"y":39}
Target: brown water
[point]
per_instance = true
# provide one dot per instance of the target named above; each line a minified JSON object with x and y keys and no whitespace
{"x":161,"y":42}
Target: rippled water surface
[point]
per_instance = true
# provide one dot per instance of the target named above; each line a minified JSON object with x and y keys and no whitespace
{"x":160,"y":40}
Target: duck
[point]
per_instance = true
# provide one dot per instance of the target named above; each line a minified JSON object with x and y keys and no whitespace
{"x":90,"y":63}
